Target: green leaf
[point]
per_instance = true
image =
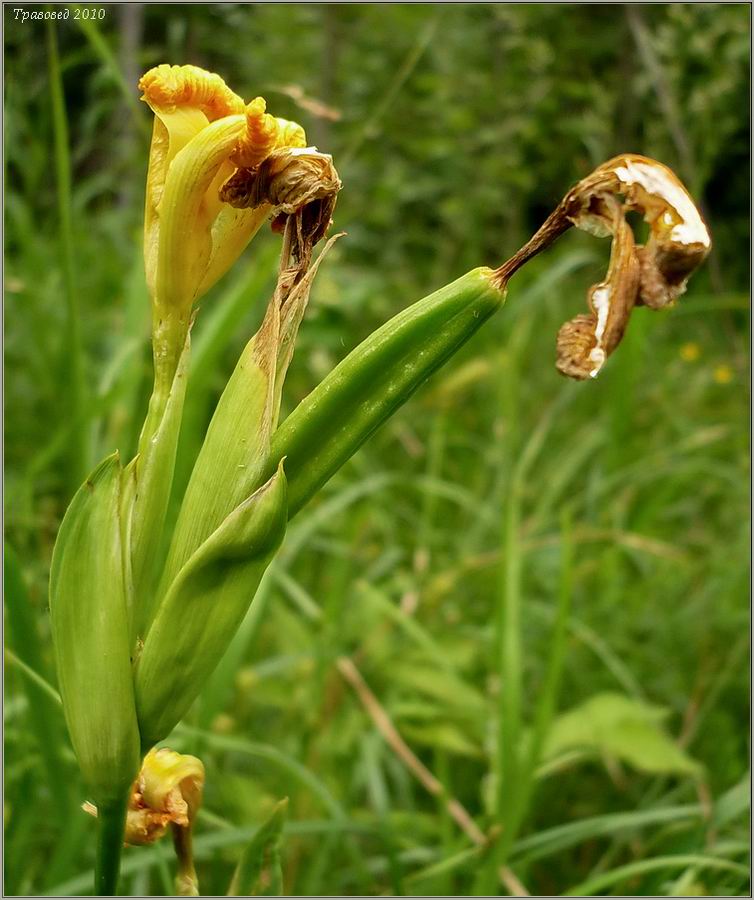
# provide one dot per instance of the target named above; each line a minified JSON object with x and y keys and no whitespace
{"x":618,"y":726}
{"x":442,"y":736}
{"x":203,"y":608}
{"x":259,"y":873}
{"x":599,"y":883}
{"x":454,"y":693}
{"x":734,"y":804}
{"x":91,"y":635}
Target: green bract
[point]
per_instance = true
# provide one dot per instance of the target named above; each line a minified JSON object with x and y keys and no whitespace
{"x":203,"y":608}
{"x":237,"y":445}
{"x":91,"y":634}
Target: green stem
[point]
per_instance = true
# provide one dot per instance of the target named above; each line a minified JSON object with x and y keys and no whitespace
{"x":168,"y":340}
{"x":111,"y":826}
{"x":510,"y":663}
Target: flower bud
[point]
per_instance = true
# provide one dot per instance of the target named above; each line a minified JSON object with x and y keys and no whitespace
{"x":203,"y":607}
{"x":376,"y":378}
{"x":90,"y":627}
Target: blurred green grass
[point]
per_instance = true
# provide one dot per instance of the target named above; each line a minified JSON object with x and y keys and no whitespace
{"x":504,"y":508}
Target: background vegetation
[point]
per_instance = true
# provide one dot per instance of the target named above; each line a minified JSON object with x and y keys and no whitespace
{"x":599,"y":529}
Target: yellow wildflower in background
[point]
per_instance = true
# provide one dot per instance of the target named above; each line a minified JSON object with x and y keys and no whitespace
{"x":689,"y":352}
{"x":723,"y":374}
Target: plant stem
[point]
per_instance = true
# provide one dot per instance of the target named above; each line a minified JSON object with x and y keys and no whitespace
{"x":186,"y":882}
{"x":111,"y":825}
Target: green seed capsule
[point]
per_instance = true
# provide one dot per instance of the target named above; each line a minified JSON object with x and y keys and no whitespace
{"x":375,"y":379}
{"x":203,"y":608}
{"x":91,"y":635}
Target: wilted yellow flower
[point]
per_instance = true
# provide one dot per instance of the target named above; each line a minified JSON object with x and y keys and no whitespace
{"x":202,"y":133}
{"x":171,"y":782}
{"x":679,"y":240}
{"x":168,"y":790}
{"x":586,"y":341}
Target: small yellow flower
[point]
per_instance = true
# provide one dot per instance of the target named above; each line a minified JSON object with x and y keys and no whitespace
{"x":690,"y":352}
{"x":723,"y":374}
{"x":202,"y":133}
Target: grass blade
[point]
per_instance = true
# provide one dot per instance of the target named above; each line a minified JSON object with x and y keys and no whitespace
{"x":600,"y":882}
{"x":74,"y":349}
{"x":259,"y":872}
{"x":44,"y":713}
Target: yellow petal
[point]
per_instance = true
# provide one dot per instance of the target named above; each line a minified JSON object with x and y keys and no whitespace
{"x":156,"y":174}
{"x":172,"y":783}
{"x":171,"y":132}
{"x":290,"y":134}
{"x":233,"y":229}
{"x":184,"y":99}
{"x":167,"y":88}
{"x":232,"y":232}
{"x":264,"y":133}
{"x":186,"y":214}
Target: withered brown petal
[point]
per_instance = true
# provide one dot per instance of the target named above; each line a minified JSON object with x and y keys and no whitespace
{"x":654,"y":275}
{"x":611,"y":302}
{"x":665,"y":270}
{"x":287,"y":179}
{"x":574,"y":344}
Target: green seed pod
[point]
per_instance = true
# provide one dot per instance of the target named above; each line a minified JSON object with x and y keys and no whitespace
{"x":376,"y":378}
{"x":91,"y":635}
{"x":203,"y":608}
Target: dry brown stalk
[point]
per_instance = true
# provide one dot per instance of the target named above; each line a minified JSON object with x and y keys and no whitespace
{"x":387,"y":729}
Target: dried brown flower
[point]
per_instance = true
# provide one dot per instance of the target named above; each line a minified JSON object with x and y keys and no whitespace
{"x":653,"y":275}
